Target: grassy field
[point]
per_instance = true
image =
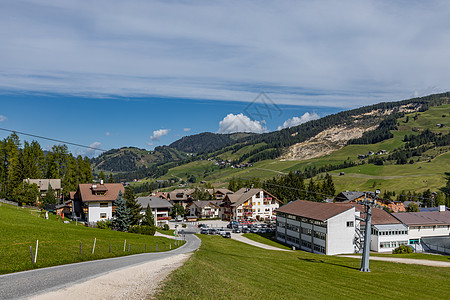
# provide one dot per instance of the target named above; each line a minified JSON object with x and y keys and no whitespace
{"x":228,"y":269}
{"x":59,"y":243}
{"x":267,"y":238}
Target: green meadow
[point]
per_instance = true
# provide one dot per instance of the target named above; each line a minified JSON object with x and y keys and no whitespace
{"x":228,"y":269}
{"x":59,"y":243}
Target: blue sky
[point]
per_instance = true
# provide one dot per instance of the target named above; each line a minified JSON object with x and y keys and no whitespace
{"x":144,"y":73}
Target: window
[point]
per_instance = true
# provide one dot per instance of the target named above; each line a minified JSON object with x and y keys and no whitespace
{"x":350,"y":224}
{"x":306,"y":231}
{"x":103,"y":216}
{"x":319,"y":235}
{"x":103,"y":204}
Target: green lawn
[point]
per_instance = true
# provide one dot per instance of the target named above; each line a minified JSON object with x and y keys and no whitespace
{"x":228,"y":269}
{"x":59,"y":243}
{"x":266,"y":238}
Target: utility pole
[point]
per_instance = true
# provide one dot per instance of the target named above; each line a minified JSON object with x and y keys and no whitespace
{"x":368,"y":232}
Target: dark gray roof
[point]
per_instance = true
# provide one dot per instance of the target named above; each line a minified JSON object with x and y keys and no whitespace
{"x":424,"y":218}
{"x":155,"y":202}
{"x":349,"y":196}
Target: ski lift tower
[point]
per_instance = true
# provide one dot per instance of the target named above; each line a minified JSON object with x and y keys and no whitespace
{"x":367,"y":236}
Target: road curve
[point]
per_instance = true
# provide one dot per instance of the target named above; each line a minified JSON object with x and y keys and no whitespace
{"x":33,"y":282}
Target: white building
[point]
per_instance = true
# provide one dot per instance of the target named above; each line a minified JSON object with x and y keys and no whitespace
{"x":160,"y":209}
{"x":334,"y":228}
{"x":94,"y":202}
{"x":250,"y":204}
{"x":425,"y":224}
{"x":206,"y":209}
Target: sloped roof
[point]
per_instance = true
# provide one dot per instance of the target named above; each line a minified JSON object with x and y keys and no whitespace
{"x":86,"y":194}
{"x":186,"y":192}
{"x":424,"y":218}
{"x":203,"y":203}
{"x":379,"y":216}
{"x":349,"y":196}
{"x":43,"y":183}
{"x":155,"y":202}
{"x":313,"y":210}
{"x":223,"y":191}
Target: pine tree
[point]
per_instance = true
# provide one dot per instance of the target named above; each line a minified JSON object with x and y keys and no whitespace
{"x":110,"y":178}
{"x":122,"y":218}
{"x":133,"y":205}
{"x":50,"y":197}
{"x":101,"y":176}
{"x":148,"y":218}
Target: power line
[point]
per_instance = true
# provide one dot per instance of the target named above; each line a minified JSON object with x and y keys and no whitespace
{"x":53,"y":140}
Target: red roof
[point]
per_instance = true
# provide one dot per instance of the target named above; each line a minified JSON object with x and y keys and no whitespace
{"x":313,"y":210}
{"x":379,"y":216}
{"x":86,"y":191}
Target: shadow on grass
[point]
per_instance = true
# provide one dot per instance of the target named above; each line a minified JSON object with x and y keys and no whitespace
{"x":313,"y":260}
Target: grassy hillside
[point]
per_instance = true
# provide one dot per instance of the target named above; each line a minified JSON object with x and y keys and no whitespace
{"x":59,"y":243}
{"x":224,"y":269}
{"x":428,"y":173}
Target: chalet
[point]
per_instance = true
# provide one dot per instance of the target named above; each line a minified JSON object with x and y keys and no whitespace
{"x":44,"y":184}
{"x":160,"y":209}
{"x":334,"y":228}
{"x":250,"y":204}
{"x":206,"y":209}
{"x":355,"y":197}
{"x":94,"y":202}
{"x":219,"y":193}
{"x":181,"y":196}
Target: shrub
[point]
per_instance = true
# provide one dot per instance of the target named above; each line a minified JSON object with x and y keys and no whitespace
{"x":104,"y":224}
{"x":166,"y":227}
{"x":403,"y":249}
{"x":184,"y":225}
{"x":142,"y":229}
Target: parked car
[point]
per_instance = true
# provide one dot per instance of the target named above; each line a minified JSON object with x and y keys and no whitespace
{"x":227,"y":235}
{"x":245,"y":230}
{"x":236,"y":230}
{"x":212,"y":231}
{"x":221,"y":232}
{"x":204,"y":231}
{"x":255,"y":230}
{"x":262,"y":230}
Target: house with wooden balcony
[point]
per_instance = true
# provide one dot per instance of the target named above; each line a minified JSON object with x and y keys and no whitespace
{"x":206,"y":209}
{"x":94,"y":201}
{"x":161,"y":209}
{"x":250,"y":204}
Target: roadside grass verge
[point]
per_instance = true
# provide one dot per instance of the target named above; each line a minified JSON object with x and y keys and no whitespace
{"x":426,"y":256}
{"x":166,"y":232}
{"x":228,"y":269}
{"x":265,"y":238}
{"x":59,"y":243}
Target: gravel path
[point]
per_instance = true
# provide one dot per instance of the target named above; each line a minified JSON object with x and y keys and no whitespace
{"x":137,"y":282}
{"x":240,"y":238}
{"x":411,"y":261}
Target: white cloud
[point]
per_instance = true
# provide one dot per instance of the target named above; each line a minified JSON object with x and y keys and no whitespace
{"x":108,"y":134}
{"x":329,"y":53}
{"x":3,"y":118}
{"x":240,"y":123}
{"x":93,"y":152}
{"x":297,"y":121}
{"x":186,"y":129}
{"x":150,"y":144}
{"x":157,"y":134}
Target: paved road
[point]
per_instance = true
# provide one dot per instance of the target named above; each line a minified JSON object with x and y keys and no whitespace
{"x":25,"y":284}
{"x":239,"y":237}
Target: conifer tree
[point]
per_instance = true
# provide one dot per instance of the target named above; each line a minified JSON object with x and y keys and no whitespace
{"x":133,"y":205}
{"x":122,"y":218}
{"x":148,"y":218}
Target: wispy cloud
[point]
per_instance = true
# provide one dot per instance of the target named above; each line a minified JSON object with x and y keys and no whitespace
{"x":186,"y":129}
{"x":294,"y":121}
{"x":3,"y":118}
{"x":331,"y":53}
{"x":157,"y":134}
{"x":240,"y":123}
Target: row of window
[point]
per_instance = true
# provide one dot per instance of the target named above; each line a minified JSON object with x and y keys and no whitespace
{"x":394,"y":244}
{"x":389,"y":232}
{"x":307,"y":231}
{"x":302,"y":219}
{"x":293,"y":239}
{"x":428,"y":227}
{"x":319,"y":248}
{"x":306,"y":244}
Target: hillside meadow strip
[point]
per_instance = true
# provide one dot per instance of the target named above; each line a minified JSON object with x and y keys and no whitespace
{"x":59,"y":243}
{"x":227,"y":269}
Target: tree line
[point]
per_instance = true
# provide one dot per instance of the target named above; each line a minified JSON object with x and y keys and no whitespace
{"x":31,"y":161}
